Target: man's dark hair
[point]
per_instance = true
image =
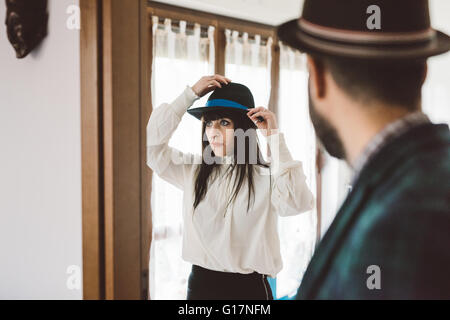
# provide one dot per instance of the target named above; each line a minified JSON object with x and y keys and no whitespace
{"x":393,"y":83}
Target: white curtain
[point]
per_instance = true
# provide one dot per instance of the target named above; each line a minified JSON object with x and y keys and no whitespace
{"x":180,"y":57}
{"x":248,"y":61}
{"x":336,"y":180}
{"x":297,"y":233}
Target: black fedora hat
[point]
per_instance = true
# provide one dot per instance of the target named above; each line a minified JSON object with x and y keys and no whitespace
{"x":232,"y":97}
{"x":369,"y":29}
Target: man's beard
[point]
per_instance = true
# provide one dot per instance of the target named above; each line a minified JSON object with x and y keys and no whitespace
{"x":326,"y":133}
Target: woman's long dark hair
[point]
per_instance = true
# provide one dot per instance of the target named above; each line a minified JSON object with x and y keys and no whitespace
{"x":204,"y":171}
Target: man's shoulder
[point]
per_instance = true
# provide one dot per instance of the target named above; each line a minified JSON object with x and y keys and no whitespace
{"x":421,"y":183}
{"x":422,"y":153}
{"x":422,"y":172}
{"x":415,"y":193}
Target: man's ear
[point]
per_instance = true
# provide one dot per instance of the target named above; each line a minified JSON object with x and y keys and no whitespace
{"x":317,"y":77}
{"x":425,"y":73}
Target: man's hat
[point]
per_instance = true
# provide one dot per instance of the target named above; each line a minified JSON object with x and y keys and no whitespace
{"x":369,"y":29}
{"x":234,"y":97}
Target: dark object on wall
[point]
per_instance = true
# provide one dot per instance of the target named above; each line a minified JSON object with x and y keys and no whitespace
{"x":26,"y":23}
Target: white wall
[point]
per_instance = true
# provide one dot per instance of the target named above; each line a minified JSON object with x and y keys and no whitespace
{"x":40,"y":165}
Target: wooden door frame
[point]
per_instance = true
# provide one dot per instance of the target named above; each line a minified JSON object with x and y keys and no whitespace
{"x":115,"y":106}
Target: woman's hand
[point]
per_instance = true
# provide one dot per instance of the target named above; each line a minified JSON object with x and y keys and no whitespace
{"x":209,"y":83}
{"x":269,"y":125}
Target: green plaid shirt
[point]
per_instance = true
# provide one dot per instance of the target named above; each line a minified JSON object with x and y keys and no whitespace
{"x":396,"y":218}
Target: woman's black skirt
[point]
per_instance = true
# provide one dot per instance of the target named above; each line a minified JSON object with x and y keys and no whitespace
{"x":205,"y":284}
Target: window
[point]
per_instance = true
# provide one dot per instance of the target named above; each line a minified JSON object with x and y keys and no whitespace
{"x":180,"y":57}
{"x":248,"y":61}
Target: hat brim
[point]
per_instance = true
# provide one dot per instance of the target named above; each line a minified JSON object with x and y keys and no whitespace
{"x":198,"y":112}
{"x":291,"y":34}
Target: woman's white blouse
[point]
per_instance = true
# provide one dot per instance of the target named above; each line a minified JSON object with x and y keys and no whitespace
{"x":214,"y":237}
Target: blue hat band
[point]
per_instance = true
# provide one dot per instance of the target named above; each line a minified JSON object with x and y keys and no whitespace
{"x":225,"y":103}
